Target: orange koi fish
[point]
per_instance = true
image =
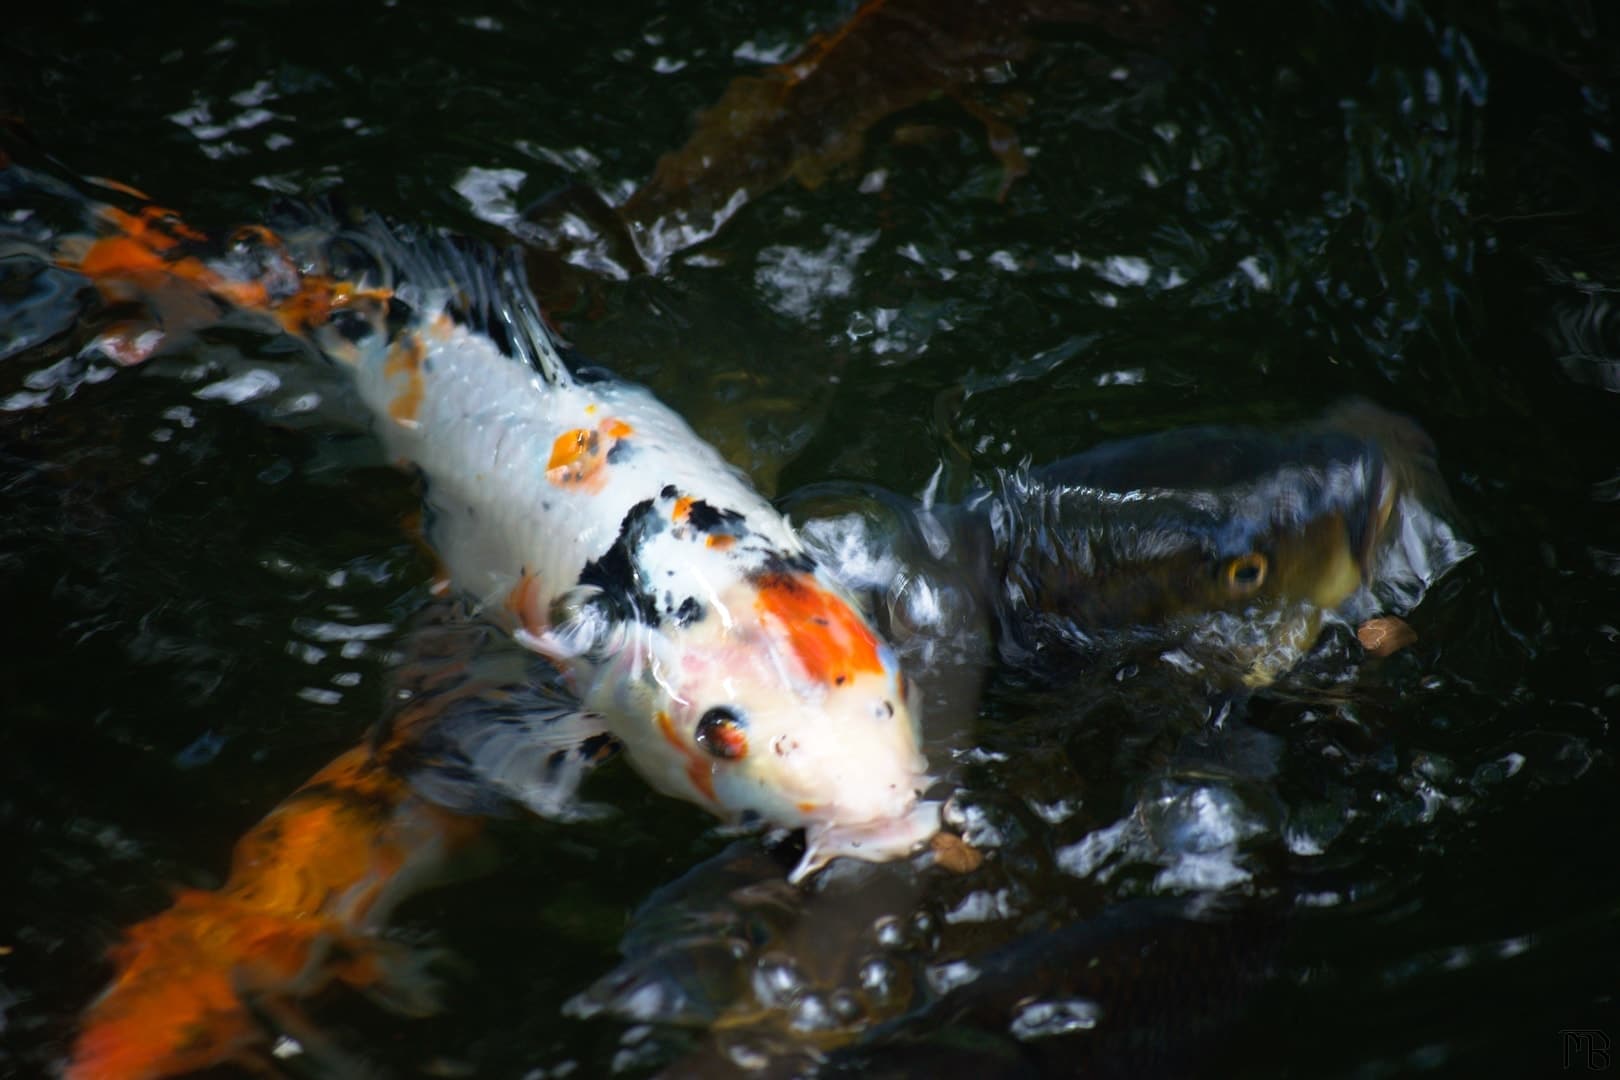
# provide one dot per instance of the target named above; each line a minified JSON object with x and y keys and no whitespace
{"x":309,"y":886}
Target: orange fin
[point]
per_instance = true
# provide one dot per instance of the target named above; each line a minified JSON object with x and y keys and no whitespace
{"x":181,"y":280}
{"x":308,"y":888}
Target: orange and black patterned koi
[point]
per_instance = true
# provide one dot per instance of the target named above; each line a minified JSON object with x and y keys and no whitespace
{"x":310,"y":887}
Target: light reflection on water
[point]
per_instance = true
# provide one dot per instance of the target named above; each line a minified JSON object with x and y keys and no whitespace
{"x":1204,"y":236}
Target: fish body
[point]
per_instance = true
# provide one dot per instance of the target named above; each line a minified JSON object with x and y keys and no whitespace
{"x":1239,"y":541}
{"x":1231,"y":547}
{"x":590,"y":519}
{"x":309,"y":889}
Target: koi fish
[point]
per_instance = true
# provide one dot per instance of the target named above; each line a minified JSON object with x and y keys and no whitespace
{"x":1242,"y":543}
{"x":1233,"y":546}
{"x":309,"y":888}
{"x":691,"y":624}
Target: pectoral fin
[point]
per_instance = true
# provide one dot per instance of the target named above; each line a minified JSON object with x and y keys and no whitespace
{"x":517,"y":745}
{"x":501,"y":727}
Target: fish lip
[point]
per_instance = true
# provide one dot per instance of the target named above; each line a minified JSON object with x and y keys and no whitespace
{"x":834,"y":814}
{"x":897,"y":836}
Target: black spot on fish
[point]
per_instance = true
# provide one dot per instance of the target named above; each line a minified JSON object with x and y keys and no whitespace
{"x":689,"y":612}
{"x":669,"y":492}
{"x":705,"y":518}
{"x":799,"y":562}
{"x":557,"y":757}
{"x":598,"y":747}
{"x":352,"y":324}
{"x":399,"y":316}
{"x":615,"y":573}
{"x":621,"y":450}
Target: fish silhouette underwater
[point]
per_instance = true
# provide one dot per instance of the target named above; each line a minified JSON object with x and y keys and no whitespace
{"x":689,"y":624}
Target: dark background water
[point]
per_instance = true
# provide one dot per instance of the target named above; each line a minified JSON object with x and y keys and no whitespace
{"x":1264,"y":208}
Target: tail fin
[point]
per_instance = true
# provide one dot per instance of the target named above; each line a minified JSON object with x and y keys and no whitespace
{"x":318,"y":277}
{"x":478,"y":285}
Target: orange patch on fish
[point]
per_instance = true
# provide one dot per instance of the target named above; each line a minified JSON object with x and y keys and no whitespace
{"x":310,"y":307}
{"x":146,"y":244}
{"x":318,"y":297}
{"x":524,"y":602}
{"x":698,"y":770}
{"x":174,"y":1007}
{"x":579,"y":456}
{"x":683,"y":506}
{"x":306,"y":885}
{"x":831,"y":640}
{"x":701,"y":774}
{"x":119,"y":255}
{"x":150,"y":246}
{"x":666,"y":727}
{"x":719,"y":541}
{"x":405,"y":358}
{"x":157,"y":226}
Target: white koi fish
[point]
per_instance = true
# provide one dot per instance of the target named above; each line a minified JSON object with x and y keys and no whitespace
{"x":686,"y":616}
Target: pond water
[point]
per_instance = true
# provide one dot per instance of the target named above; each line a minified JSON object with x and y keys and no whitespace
{"x":1239,"y":215}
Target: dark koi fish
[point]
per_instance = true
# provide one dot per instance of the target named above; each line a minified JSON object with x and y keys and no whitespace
{"x":1235,"y":546}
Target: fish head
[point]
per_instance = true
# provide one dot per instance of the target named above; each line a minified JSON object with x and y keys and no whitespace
{"x":781,"y":704}
{"x":1303,"y":534}
{"x":1237,"y":544}
{"x":1301,"y":529}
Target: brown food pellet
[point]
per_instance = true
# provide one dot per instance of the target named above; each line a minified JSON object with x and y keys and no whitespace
{"x":953,"y":853}
{"x":1384,"y":635}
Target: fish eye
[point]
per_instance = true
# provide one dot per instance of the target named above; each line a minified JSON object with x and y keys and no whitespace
{"x":723,"y":733}
{"x":1246,"y":573}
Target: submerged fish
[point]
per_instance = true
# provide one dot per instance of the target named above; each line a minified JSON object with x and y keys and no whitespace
{"x":1230,"y":548}
{"x":309,"y":889}
{"x":1241,"y":543}
{"x":214,"y":977}
{"x":690,"y":623}
{"x":1142,"y":989}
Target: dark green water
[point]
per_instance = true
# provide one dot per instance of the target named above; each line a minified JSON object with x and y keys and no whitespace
{"x":1262,"y":213}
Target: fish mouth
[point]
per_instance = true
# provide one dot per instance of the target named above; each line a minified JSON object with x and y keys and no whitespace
{"x":876,"y":840}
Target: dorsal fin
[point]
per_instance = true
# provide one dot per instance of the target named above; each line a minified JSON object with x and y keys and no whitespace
{"x":479,"y":285}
